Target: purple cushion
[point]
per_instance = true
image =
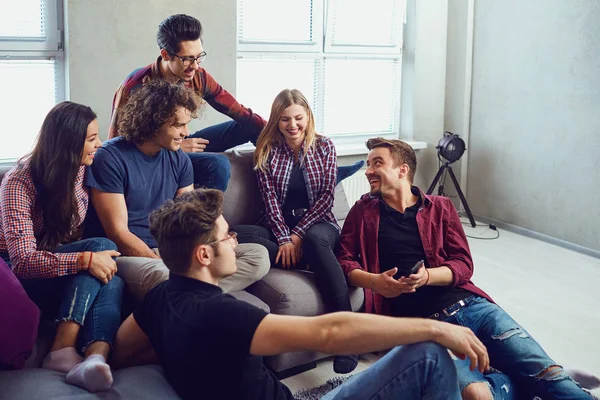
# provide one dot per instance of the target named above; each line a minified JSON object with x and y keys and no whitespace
{"x":19,"y":318}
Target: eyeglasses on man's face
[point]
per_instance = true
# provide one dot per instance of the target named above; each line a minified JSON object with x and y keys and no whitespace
{"x":187,"y":61}
{"x":231,"y":235}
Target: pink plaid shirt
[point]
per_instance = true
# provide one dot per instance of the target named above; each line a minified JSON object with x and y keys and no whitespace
{"x":319,"y":167}
{"x":21,"y":220}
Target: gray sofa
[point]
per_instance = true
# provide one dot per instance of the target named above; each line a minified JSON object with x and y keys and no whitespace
{"x":282,"y":291}
{"x":286,"y":292}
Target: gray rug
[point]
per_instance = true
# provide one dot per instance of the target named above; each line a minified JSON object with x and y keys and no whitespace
{"x":320,"y":391}
{"x":317,"y":392}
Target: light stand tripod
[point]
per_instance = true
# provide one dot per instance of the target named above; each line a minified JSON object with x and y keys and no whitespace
{"x":446,"y":166}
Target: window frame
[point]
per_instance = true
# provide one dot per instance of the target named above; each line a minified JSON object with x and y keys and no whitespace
{"x":52,"y":48}
{"x":323,"y":50}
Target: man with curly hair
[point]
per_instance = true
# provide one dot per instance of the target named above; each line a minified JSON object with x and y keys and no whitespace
{"x":179,"y":38}
{"x":138,"y":171}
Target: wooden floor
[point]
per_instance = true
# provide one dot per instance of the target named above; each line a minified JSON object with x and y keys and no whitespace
{"x":553,"y":292}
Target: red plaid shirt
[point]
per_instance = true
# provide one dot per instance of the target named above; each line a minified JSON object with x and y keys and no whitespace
{"x":21,"y":220}
{"x":203,"y":83}
{"x":319,"y":167}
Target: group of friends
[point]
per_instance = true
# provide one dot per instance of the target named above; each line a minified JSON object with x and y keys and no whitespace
{"x":81,"y":221}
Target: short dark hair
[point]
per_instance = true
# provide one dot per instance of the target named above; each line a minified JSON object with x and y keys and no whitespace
{"x":182,"y":224}
{"x":176,"y":29}
{"x":151,"y":106}
{"x":402,"y":153}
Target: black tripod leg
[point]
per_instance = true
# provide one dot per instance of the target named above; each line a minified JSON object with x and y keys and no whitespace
{"x":462,"y":198}
{"x":436,"y":179}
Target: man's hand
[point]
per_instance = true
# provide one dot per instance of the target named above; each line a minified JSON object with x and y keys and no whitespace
{"x":417,"y":280}
{"x":463,"y":343}
{"x":287,"y":254}
{"x":297,"y":240}
{"x":387,"y":286}
{"x":193,"y":145}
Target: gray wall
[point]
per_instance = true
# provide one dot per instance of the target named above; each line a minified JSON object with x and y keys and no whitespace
{"x":534,"y":156}
{"x":107,"y":39}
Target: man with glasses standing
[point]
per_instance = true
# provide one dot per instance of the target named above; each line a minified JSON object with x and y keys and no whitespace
{"x":181,"y":53}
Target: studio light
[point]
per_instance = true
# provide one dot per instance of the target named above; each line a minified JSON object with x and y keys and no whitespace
{"x":451,"y":147}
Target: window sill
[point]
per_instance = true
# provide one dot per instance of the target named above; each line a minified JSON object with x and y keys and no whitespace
{"x":347,"y":149}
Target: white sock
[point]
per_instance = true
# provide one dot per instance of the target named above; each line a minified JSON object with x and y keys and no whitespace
{"x":92,"y":374}
{"x":62,"y":360}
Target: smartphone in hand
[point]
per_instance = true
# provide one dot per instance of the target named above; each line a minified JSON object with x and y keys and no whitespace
{"x":415,"y":268}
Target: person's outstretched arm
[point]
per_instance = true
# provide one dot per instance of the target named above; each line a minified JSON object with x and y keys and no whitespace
{"x":356,"y":333}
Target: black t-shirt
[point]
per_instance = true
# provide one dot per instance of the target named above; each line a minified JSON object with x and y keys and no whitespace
{"x":296,"y":196}
{"x":400,"y":246}
{"x":202,"y":338}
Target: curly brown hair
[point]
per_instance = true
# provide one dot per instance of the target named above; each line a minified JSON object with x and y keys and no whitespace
{"x":151,"y":106}
{"x":182,"y":224}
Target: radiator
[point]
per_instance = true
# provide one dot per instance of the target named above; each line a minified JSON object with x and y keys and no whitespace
{"x":355,"y":186}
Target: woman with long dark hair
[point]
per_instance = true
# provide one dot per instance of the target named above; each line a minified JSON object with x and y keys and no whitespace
{"x":296,"y":170}
{"x":43,"y":204}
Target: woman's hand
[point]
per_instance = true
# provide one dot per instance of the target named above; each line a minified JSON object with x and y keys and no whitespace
{"x":102,"y":266}
{"x":287,"y":254}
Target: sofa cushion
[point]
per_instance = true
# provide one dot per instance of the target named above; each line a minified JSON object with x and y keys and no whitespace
{"x":142,"y":382}
{"x":294,"y":292}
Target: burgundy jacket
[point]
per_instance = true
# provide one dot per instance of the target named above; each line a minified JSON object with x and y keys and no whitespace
{"x":441,"y":232}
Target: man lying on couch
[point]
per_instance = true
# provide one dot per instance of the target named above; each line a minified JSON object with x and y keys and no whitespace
{"x":389,"y":231}
{"x":211,"y":345}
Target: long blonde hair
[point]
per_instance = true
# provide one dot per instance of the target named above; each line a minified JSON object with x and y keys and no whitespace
{"x":271,"y":137}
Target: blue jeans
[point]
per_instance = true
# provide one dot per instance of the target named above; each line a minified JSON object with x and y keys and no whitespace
{"x":416,"y":371}
{"x":513,"y":351}
{"x":81,"y":297}
{"x":212,"y":170}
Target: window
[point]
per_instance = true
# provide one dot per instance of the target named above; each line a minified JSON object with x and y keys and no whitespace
{"x":344,"y":55}
{"x":31,"y":71}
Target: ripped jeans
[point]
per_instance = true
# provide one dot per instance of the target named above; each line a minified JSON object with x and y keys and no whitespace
{"x":81,"y":297}
{"x":519,"y":362}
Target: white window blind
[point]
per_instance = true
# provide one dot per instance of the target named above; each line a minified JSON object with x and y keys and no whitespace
{"x":359,"y":26}
{"x":344,"y":55}
{"x":261,"y":79}
{"x":265,"y":23}
{"x":28,"y":25}
{"x":360,"y":96}
{"x":31,"y":71}
{"x":23,"y":107}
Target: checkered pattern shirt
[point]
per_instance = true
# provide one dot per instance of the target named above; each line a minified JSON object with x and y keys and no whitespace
{"x":203,"y":83}
{"x":21,"y":220}
{"x":319,"y":167}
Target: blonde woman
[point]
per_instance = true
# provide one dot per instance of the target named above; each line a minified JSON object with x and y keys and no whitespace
{"x":296,"y":170}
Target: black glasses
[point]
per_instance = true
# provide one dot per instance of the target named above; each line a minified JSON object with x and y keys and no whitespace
{"x":187,"y":61}
{"x":230,"y":235}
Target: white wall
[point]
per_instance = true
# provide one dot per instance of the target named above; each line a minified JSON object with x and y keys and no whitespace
{"x":107,"y":39}
{"x":424,"y":81}
{"x":534,"y":158}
